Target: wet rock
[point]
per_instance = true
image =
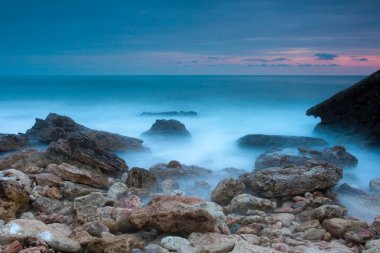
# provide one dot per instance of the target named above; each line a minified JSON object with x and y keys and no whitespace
{"x":349,"y":190}
{"x":175,"y":243}
{"x":141,"y":178}
{"x":374,"y":185}
{"x":79,"y":150}
{"x":24,"y":160}
{"x":175,"y":170}
{"x":336,"y":155}
{"x":95,"y":228}
{"x":352,"y":114}
{"x":13,"y":198}
{"x":279,"y":141}
{"x":56,"y":126}
{"x":72,"y":190}
{"x":9,"y":142}
{"x":292,"y":180}
{"x":338,"y":227}
{"x":78,"y":175}
{"x":21,"y":229}
{"x":244,"y":202}
{"x":173,"y":214}
{"x":226,"y":190}
{"x":327,"y":212}
{"x":168,"y":128}
{"x":360,"y":235}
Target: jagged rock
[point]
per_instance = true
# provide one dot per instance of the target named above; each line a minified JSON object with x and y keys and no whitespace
{"x":24,"y":160}
{"x":141,"y":178}
{"x":56,"y":126}
{"x":292,"y":180}
{"x":336,"y":155}
{"x":175,"y":170}
{"x":9,"y":142}
{"x":349,"y":190}
{"x":78,"y":175}
{"x":244,"y":202}
{"x":226,"y":190}
{"x":77,"y":149}
{"x":22,"y":229}
{"x":13,"y":198}
{"x":279,"y":141}
{"x":338,"y":226}
{"x":353,"y":112}
{"x":168,"y":128}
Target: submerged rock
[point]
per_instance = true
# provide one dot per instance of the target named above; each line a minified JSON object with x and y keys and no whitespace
{"x":292,"y":180}
{"x":279,"y":141}
{"x":56,"y":126}
{"x":9,"y":142}
{"x":168,"y":128}
{"x":78,"y":149}
{"x":353,"y":112}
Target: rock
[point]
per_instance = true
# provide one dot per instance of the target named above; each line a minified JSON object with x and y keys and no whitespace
{"x":111,"y":244}
{"x":349,"y":190}
{"x":226,"y":190}
{"x":373,"y":244}
{"x":336,"y":155}
{"x":375,"y":226}
{"x":279,"y":141}
{"x":352,"y":114}
{"x":81,"y":236}
{"x":360,"y":235}
{"x":64,"y":229}
{"x":48,"y":179}
{"x":374,"y":185}
{"x":338,"y":227}
{"x":311,"y":234}
{"x":154,"y":248}
{"x":141,"y":178}
{"x":17,"y":177}
{"x":24,"y":160}
{"x":56,"y":126}
{"x":244,"y":202}
{"x":173,"y":214}
{"x":171,"y":113}
{"x":203,"y":239}
{"x":47,"y":205}
{"x":117,"y":190}
{"x":168,"y":128}
{"x":327,"y":212}
{"x":9,"y":142}
{"x":21,"y":230}
{"x":46,"y":191}
{"x":174,"y":243}
{"x":175,"y":170}
{"x":95,"y":228}
{"x":245,"y":247}
{"x":13,"y":247}
{"x":286,"y":219}
{"x":169,"y":185}
{"x":72,"y":190}
{"x":79,"y":150}
{"x":325,"y":247}
{"x":307,"y":225}
{"x":292,"y":180}
{"x":13,"y":198}
{"x":86,"y":207}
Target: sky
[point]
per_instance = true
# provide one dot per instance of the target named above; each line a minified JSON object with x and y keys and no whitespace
{"x":189,"y":37}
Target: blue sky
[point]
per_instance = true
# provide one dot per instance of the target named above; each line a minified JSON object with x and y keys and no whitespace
{"x":189,"y":37}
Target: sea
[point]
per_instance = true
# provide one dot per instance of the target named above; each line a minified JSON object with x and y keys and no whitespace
{"x":228,"y":108}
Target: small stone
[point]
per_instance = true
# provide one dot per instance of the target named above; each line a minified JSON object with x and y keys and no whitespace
{"x":95,"y":228}
{"x":327,"y":212}
{"x":174,"y":242}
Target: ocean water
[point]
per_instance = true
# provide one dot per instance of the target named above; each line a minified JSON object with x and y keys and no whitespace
{"x":229,"y":107}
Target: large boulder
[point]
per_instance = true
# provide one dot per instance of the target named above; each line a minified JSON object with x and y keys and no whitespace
{"x":9,"y":142}
{"x":226,"y":190}
{"x":336,"y":155}
{"x":353,"y":112}
{"x":279,"y":141}
{"x":168,"y":128}
{"x":56,"y":126}
{"x":78,"y":149}
{"x":22,"y":229}
{"x":292,"y":180}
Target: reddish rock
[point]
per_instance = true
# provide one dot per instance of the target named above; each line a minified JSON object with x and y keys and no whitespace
{"x":13,"y":198}
{"x":360,"y":235}
{"x":14,"y":247}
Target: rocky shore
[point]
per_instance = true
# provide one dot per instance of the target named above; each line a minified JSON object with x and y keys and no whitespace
{"x":77,"y":195}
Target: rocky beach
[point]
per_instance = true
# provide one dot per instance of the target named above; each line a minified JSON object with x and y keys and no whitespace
{"x":65,"y":187}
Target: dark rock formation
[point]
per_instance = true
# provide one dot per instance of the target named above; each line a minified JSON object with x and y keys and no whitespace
{"x":9,"y":142}
{"x":141,"y":178}
{"x":336,"y":155}
{"x":279,"y":141}
{"x":349,"y":190}
{"x":56,"y":126}
{"x":171,"y":113}
{"x":292,"y":180}
{"x":352,"y":113}
{"x":168,"y":128}
{"x":78,"y":149}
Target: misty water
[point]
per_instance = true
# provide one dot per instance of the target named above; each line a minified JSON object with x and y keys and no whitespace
{"x":228,"y":107}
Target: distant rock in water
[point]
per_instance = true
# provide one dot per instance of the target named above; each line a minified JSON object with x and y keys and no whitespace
{"x":168,"y":128}
{"x":56,"y":126}
{"x":279,"y":141}
{"x":9,"y":142}
{"x":171,"y":113}
{"x":352,"y":114}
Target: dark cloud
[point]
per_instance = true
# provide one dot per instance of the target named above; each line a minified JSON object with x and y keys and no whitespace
{"x":194,"y":61}
{"x":265,"y":60}
{"x":317,"y":65}
{"x":360,"y":59}
{"x":325,"y":56}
